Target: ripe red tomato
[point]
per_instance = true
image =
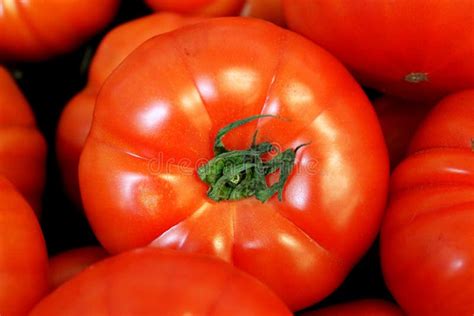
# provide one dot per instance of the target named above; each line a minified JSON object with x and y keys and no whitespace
{"x":270,"y":10}
{"x":359,"y":308}
{"x":38,"y":29}
{"x":156,"y":119}
{"x":427,"y":240}
{"x":399,"y":120}
{"x":23,"y":258}
{"x":75,"y":121}
{"x":22,"y":147}
{"x":419,"y":49}
{"x":156,"y":282}
{"x":66,"y":265}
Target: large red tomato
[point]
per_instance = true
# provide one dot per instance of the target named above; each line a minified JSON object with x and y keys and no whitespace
{"x":399,"y":120}
{"x":38,"y":29}
{"x":157,"y":117}
{"x":66,"y":265}
{"x":22,"y":147}
{"x":270,"y":10}
{"x":359,"y":308}
{"x":157,"y":282}
{"x":427,"y":241}
{"x":23,"y":258}
{"x":420,"y":49}
{"x":75,"y":121}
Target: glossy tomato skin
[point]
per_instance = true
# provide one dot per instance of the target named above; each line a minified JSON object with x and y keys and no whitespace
{"x":169,"y":99}
{"x":427,"y":245}
{"x":38,"y":29}
{"x":22,"y":146}
{"x":399,"y":120}
{"x":369,"y":307}
{"x":66,"y":265}
{"x":162,"y":282}
{"x":76,"y":118}
{"x":23,"y":258}
{"x":386,"y":43}
{"x":270,"y":10}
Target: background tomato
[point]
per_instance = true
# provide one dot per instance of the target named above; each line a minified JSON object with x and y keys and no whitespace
{"x":23,"y":259}
{"x":399,"y":120}
{"x":427,"y":244}
{"x":359,"y":308}
{"x":38,"y":29}
{"x":270,"y":10}
{"x":157,"y":282}
{"x":199,"y":7}
{"x":413,"y":49}
{"x":76,"y":118}
{"x":22,"y":147}
{"x":66,"y":265}
{"x":171,"y":96}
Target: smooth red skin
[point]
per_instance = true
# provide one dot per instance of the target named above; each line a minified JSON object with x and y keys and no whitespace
{"x":161,"y":282}
{"x":399,"y":120}
{"x":23,"y":258}
{"x":359,"y":308}
{"x":76,"y":118}
{"x":427,"y":244}
{"x":22,"y":146}
{"x":171,"y":96}
{"x":66,"y":265}
{"x":38,"y":29}
{"x":383,"y":41}
{"x":270,"y":10}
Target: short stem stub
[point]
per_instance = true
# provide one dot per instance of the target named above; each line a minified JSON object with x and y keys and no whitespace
{"x":241,"y":174}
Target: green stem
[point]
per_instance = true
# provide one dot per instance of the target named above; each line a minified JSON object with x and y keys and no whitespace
{"x":240,"y":174}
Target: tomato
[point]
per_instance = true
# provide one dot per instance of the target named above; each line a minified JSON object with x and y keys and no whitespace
{"x":66,"y":265}
{"x":414,"y":49}
{"x":427,"y":240}
{"x":270,"y":10}
{"x":39,"y":29}
{"x":399,"y":120}
{"x":366,"y":307}
{"x":22,"y":147}
{"x":23,"y":258}
{"x":158,"y":114}
{"x":157,"y":282}
{"x":75,"y":121}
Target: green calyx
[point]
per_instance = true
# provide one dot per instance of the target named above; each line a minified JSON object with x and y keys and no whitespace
{"x":241,"y":174}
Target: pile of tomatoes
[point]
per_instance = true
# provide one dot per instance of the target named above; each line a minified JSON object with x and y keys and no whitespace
{"x":237,"y":157}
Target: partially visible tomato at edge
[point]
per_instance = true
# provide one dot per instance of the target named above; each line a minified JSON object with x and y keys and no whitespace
{"x":427,"y":239}
{"x":22,"y":146}
{"x":23,"y":258}
{"x":421,"y":50}
{"x":151,"y":281}
{"x":35,"y":30}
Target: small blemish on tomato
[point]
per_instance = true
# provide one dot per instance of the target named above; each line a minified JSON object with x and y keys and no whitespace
{"x":416,"y":77}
